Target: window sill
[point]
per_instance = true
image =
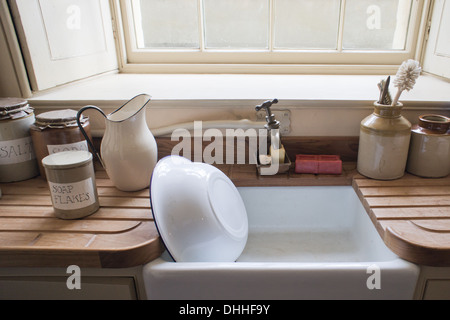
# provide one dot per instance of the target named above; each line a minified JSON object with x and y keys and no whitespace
{"x":319,"y":105}
{"x":223,"y":89}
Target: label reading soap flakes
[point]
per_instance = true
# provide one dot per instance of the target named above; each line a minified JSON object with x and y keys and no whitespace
{"x":76,"y":195}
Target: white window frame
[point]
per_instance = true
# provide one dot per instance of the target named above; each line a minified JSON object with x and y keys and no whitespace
{"x":134,"y":60}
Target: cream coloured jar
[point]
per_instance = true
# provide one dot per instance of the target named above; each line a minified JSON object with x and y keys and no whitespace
{"x":71,"y":178}
{"x":17,"y":157}
{"x":383,"y":143}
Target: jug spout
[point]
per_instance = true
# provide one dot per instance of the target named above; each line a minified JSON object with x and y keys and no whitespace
{"x":129,"y":109}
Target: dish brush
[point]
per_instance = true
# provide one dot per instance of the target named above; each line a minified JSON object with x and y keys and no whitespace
{"x":406,"y":77}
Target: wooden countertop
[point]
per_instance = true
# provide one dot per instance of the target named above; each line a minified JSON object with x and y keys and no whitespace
{"x":120,"y":234}
{"x":411,"y":214}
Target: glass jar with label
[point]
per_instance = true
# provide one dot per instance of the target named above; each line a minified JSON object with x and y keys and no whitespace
{"x":71,"y":178}
{"x":17,"y":156}
{"x":57,"y":131}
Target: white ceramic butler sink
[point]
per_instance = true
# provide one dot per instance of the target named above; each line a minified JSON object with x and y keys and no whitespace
{"x":303,"y":243}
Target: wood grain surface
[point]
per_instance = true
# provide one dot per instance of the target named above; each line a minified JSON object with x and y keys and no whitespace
{"x":411,"y":214}
{"x":121,"y":233}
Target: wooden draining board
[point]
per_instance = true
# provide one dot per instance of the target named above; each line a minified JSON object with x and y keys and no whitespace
{"x":411,"y":214}
{"x":121,"y":233}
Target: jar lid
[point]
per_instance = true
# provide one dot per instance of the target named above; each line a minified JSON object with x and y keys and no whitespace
{"x":66,"y":159}
{"x":434,"y":122}
{"x":58,"y":119}
{"x":14,"y":108}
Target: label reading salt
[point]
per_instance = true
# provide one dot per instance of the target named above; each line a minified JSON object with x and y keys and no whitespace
{"x":16,"y":151}
{"x":76,"y":195}
{"x":54,"y":148}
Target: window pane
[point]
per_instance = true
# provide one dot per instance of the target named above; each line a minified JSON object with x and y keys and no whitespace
{"x":166,"y":24}
{"x":306,"y":24}
{"x":236,"y":24}
{"x":376,"y":24}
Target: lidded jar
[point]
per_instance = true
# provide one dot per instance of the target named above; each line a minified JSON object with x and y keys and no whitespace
{"x":57,"y":131}
{"x":71,"y":179}
{"x":429,"y":151}
{"x":17,"y":157}
{"x":384,"y":143}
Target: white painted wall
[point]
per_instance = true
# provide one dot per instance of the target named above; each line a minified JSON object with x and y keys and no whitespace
{"x":319,"y":105}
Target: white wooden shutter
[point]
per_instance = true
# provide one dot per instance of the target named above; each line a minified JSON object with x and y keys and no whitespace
{"x":64,"y":40}
{"x":437,"y":52}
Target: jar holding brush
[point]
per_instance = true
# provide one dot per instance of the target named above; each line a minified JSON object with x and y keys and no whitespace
{"x":385,"y":134}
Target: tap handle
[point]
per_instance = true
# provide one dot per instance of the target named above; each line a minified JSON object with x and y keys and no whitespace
{"x":266,"y":105}
{"x":272,"y":123}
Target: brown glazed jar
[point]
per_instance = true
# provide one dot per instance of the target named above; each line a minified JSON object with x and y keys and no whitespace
{"x":429,"y":150}
{"x":383,"y":143}
{"x":57,"y":131}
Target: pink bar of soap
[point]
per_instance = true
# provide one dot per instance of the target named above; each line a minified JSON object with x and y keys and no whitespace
{"x":318,"y":164}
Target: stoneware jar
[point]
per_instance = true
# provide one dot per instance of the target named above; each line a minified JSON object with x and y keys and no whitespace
{"x":17,"y":157}
{"x":71,"y":178}
{"x":57,"y":131}
{"x":383,"y":143}
{"x":429,"y":151}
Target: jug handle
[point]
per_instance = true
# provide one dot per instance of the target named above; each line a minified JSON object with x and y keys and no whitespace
{"x":90,"y":143}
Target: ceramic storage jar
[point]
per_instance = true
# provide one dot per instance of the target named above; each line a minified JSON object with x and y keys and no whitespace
{"x":71,"y":178}
{"x":429,"y":152}
{"x":383,"y":143}
{"x":17,"y":157}
{"x":57,"y":131}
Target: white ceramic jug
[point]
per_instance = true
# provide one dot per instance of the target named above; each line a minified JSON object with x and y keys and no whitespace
{"x":128,"y":149}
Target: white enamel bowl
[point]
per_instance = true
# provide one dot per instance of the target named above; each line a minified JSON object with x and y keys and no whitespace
{"x":198,"y":211}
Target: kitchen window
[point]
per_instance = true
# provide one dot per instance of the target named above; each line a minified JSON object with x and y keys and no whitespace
{"x":61,"y":41}
{"x":248,"y":35}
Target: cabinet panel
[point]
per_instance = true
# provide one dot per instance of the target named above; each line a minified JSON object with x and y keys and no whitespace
{"x":55,"y":288}
{"x":437,"y":290}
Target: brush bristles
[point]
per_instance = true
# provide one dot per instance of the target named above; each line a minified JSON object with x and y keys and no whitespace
{"x":407,"y":75}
